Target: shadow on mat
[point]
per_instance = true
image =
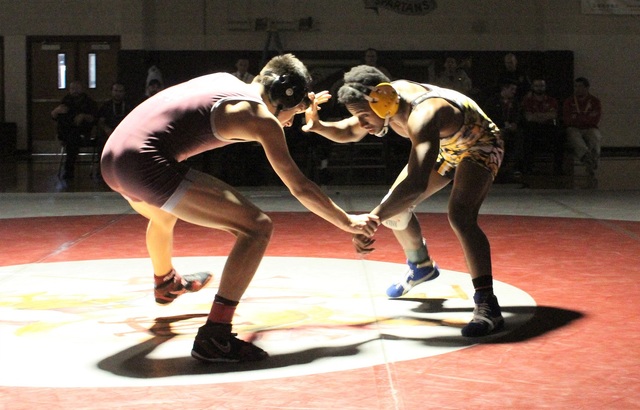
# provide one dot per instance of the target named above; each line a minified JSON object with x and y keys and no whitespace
{"x":546,"y":319}
{"x":526,"y":323}
{"x":135,"y":362}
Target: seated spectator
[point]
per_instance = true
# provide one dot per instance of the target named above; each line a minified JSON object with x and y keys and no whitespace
{"x":581,"y":115}
{"x":111,"y":113}
{"x":371,"y":59}
{"x":454,"y":77}
{"x":154,"y":82}
{"x":540,"y":128}
{"x":153,"y":87}
{"x":76,"y":116}
{"x":242,"y":71}
{"x":515,"y":73}
{"x":503,"y":108}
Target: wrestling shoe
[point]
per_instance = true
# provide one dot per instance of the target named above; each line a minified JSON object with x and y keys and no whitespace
{"x":215,"y":343}
{"x":175,"y":285}
{"x":417,"y":274}
{"x":487,"y":317}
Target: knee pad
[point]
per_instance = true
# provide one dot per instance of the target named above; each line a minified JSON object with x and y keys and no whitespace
{"x":400,"y":221}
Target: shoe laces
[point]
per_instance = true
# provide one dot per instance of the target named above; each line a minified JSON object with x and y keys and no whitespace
{"x":423,"y":265}
{"x":170,"y":277}
{"x":409,"y":276}
{"x":482,"y":310}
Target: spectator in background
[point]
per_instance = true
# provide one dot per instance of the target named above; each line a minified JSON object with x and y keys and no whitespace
{"x":503,"y":108}
{"x":513,"y":72}
{"x":154,"y":82}
{"x":540,"y":128}
{"x":371,"y":59}
{"x":454,"y":77}
{"x":154,"y":86}
{"x":242,"y":71}
{"x":76,"y":116}
{"x":111,"y":113}
{"x":581,"y":115}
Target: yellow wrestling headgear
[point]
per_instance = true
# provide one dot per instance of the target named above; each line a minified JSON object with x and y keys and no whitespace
{"x":384,"y":100}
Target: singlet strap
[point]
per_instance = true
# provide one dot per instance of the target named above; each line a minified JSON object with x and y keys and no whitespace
{"x":420,"y":99}
{"x":429,"y":94}
{"x":221,"y":101}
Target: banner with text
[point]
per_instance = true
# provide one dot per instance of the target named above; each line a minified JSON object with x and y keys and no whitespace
{"x":611,"y":6}
{"x":407,"y":7}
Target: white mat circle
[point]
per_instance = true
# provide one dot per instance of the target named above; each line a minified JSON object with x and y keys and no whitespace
{"x":94,"y":323}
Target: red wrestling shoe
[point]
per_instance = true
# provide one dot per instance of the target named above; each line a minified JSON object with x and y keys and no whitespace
{"x":175,"y":285}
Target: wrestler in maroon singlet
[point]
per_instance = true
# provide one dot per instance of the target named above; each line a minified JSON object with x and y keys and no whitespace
{"x":142,"y":158}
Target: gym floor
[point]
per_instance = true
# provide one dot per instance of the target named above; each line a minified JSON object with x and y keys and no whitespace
{"x":79,"y":328}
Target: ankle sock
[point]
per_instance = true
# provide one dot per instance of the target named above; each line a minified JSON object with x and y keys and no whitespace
{"x":222,"y":310}
{"x":159,"y":280}
{"x":483,"y":285}
{"x":419,"y":255}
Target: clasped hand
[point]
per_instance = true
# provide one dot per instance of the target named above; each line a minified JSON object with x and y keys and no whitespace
{"x":364,"y":224}
{"x":311,"y":114}
{"x":363,"y":243}
{"x":368,"y":226}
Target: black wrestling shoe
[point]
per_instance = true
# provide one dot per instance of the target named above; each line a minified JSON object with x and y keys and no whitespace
{"x":215,"y":343}
{"x":487,"y":317}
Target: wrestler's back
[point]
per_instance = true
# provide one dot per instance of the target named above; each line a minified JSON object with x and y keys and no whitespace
{"x":176,"y":121}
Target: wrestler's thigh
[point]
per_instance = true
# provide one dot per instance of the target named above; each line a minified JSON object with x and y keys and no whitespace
{"x":471,"y":185}
{"x":213,"y":203}
{"x":153,"y":213}
{"x":436,"y":183}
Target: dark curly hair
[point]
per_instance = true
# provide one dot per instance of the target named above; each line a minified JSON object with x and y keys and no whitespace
{"x":358,"y":82}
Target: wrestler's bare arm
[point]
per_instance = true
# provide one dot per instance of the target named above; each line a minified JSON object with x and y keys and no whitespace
{"x":254,"y":122}
{"x":346,"y":130}
{"x":423,"y":128}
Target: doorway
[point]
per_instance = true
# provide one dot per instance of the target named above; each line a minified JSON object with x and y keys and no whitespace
{"x":2,"y":101}
{"x":53,"y":63}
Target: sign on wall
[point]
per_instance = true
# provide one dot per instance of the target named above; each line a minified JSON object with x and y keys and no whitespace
{"x":611,"y":6}
{"x":408,"y":7}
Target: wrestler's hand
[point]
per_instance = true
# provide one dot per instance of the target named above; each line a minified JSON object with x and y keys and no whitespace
{"x":364,"y":224}
{"x":311,"y":114}
{"x":363,"y":244}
